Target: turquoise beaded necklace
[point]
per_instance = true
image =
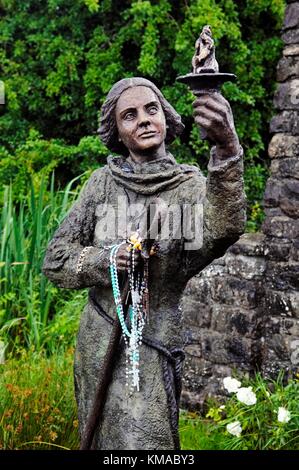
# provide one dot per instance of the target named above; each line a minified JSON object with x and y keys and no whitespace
{"x":132,"y":334}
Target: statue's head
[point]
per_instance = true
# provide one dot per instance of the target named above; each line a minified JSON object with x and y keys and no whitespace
{"x":120,"y":129}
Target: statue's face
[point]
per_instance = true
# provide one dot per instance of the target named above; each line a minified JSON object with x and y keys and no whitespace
{"x":140,"y":119}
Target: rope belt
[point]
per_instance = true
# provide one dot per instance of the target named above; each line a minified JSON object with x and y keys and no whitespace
{"x":172,"y":361}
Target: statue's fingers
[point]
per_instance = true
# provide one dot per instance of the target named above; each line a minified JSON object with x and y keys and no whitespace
{"x":198,"y":109}
{"x":123,"y":256}
{"x":121,"y":265}
{"x":207,"y":102}
{"x":219,"y":98}
{"x":200,"y":100}
{"x":213,"y":99}
{"x":217,"y":107}
{"x":208,"y":114}
{"x":203,"y":122}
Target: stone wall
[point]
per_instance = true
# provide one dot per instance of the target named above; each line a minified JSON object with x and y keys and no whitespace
{"x":242,"y":312}
{"x":281,"y":201}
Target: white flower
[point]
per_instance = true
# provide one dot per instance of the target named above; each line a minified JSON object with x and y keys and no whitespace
{"x":246,"y":395}
{"x":284,"y":415}
{"x":234,"y":428}
{"x":231,"y":385}
{"x":222,"y":407}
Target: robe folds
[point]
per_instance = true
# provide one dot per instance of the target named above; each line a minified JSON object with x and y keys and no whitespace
{"x":147,"y":419}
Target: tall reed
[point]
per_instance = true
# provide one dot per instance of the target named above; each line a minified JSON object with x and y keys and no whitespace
{"x":26,"y":296}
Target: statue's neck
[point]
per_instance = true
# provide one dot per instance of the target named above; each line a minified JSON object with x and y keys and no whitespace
{"x":148,"y":155}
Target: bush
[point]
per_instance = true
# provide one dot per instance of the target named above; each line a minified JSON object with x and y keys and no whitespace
{"x":59,"y":60}
{"x":37,"y":158}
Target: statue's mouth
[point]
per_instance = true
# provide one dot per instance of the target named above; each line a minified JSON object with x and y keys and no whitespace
{"x":148,"y":134}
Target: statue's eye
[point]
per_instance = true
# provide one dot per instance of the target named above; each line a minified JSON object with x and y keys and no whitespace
{"x":129,"y":116}
{"x":153,"y":109}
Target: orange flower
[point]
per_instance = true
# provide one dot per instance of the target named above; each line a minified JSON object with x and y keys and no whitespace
{"x":19,"y":428}
{"x":8,"y":413}
{"x":27,"y":392}
{"x":9,"y":387}
{"x":53,"y":435}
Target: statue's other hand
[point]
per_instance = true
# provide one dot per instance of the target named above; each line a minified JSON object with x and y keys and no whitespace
{"x":123,"y":258}
{"x":213,"y":113}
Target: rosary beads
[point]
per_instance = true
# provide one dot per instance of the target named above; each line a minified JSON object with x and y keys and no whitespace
{"x":132,"y":330}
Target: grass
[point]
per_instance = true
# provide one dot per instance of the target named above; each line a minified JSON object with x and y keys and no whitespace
{"x":198,"y":433}
{"x":25,"y":231}
{"x":38,"y":410}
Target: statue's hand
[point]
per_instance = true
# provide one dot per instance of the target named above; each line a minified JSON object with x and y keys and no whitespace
{"x":123,"y":257}
{"x":213,"y":113}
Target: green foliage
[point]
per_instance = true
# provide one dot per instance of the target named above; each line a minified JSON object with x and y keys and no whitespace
{"x":59,"y":60}
{"x":37,"y":399}
{"x":32,"y":310}
{"x":37,"y":158}
{"x":197,"y":433}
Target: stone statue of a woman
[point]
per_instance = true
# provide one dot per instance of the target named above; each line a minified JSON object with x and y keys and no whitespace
{"x":136,"y":123}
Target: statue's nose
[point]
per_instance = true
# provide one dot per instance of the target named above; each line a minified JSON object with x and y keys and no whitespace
{"x":143,"y":119}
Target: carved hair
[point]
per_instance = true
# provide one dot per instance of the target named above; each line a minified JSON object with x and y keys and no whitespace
{"x":108,"y":129}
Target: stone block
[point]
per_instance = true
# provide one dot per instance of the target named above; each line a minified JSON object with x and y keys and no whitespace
{"x":287,"y":95}
{"x":246,"y":267}
{"x":290,"y":36}
{"x":249,"y":244}
{"x":291,"y":17}
{"x":282,"y":340}
{"x":215,"y":269}
{"x":278,"y":249}
{"x":285,"y":168}
{"x":294,"y":349}
{"x":277,"y":347}
{"x":283,"y":145}
{"x":196,"y":372}
{"x":281,"y":227}
{"x":281,"y":303}
{"x":226,"y":349}
{"x":272,"y":192}
{"x":291,"y":50}
{"x":295,"y":250}
{"x":196,"y":314}
{"x":294,"y":304}
{"x":288,"y":67}
{"x":234,"y":291}
{"x":283,"y":193}
{"x":283,"y":276}
{"x":198,"y":288}
{"x":285,"y":122}
{"x":271,"y":367}
{"x":289,"y":201}
{"x":273,"y":212}
{"x":243,"y":323}
{"x":290,"y":207}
